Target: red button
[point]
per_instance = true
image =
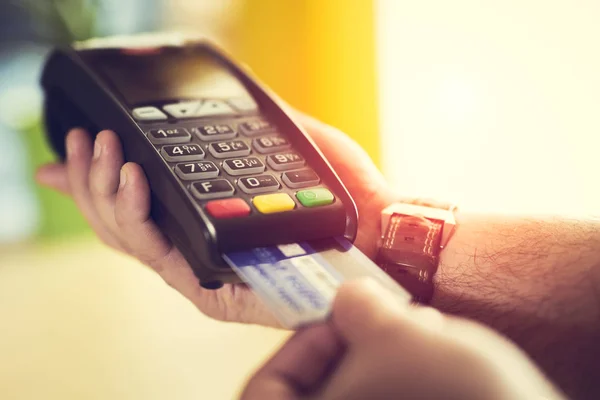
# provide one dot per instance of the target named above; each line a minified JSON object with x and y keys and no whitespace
{"x":228,"y":208}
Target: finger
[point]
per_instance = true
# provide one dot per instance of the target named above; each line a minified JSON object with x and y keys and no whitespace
{"x":329,"y":139}
{"x":299,"y":367}
{"x":104,"y":177}
{"x":336,"y":145}
{"x":356,"y":169}
{"x":79,"y":158}
{"x":54,"y":176}
{"x":145,"y":241}
{"x":363,"y":307}
{"x":132,"y":215}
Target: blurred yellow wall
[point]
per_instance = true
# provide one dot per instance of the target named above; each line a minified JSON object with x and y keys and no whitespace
{"x":317,"y":55}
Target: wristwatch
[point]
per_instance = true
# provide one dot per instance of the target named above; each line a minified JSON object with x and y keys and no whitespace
{"x":413,"y":236}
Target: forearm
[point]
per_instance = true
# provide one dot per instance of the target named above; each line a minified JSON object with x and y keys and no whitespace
{"x":537,"y":280}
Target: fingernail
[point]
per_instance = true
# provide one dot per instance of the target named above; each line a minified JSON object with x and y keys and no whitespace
{"x":123,"y":178}
{"x":97,"y":150}
{"x":70,"y":147}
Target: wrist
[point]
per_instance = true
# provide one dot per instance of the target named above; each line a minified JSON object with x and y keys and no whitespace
{"x":449,"y":282}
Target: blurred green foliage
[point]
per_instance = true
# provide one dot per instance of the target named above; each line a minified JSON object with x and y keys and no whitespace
{"x":59,"y":215}
{"x":67,"y":20}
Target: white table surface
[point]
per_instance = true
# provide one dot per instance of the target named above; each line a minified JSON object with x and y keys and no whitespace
{"x":79,"y":321}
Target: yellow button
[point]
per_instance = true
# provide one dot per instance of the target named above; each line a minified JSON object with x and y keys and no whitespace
{"x":273,"y":203}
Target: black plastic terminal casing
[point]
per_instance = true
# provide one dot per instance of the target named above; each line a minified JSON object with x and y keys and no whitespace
{"x":76,"y":96}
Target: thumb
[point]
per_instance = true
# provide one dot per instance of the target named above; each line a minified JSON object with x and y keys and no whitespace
{"x":298,"y":367}
{"x":363,"y":307}
{"x":53,"y":176}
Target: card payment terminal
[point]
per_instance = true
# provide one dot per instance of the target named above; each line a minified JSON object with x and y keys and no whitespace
{"x":228,"y":167}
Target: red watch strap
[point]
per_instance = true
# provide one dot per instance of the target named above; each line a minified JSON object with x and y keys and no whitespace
{"x":410,"y":253}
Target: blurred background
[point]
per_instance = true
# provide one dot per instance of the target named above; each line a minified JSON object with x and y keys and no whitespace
{"x":494,"y":105}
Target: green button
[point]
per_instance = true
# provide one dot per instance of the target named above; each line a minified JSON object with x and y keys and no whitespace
{"x":315,"y":197}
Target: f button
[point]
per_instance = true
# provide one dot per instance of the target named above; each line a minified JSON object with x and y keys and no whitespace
{"x":214,"y":189}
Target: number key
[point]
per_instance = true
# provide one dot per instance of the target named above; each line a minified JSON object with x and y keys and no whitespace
{"x":256,"y":127}
{"x":285,"y":161}
{"x":182,"y":152}
{"x":243,"y":166}
{"x":270,"y":144}
{"x":231,"y":148}
{"x":169,"y":135}
{"x":258,"y":184}
{"x":196,"y":170}
{"x":215,"y":132}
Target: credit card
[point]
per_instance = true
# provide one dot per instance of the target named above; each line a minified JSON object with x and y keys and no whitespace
{"x":299,"y":281}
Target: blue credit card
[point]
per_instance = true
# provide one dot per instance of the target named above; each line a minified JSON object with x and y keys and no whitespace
{"x":299,"y":281}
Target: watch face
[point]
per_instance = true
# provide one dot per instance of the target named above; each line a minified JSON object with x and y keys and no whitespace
{"x":410,"y":252}
{"x":444,"y":215}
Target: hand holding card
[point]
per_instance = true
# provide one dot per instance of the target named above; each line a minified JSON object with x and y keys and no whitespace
{"x":298,"y":282}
